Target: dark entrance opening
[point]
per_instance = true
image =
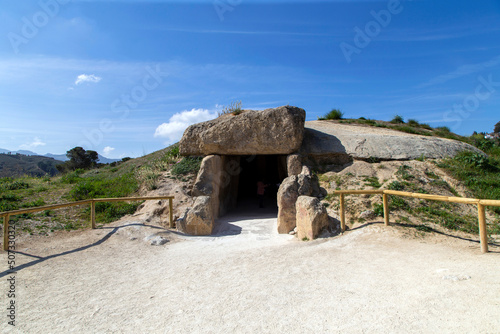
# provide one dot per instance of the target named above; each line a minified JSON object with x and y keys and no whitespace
{"x":269,"y":169}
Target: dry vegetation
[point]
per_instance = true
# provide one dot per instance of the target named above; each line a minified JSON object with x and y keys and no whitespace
{"x":419,"y":216}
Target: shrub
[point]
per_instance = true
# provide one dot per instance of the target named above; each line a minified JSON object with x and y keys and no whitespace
{"x":72,"y":177}
{"x":378,"y":209}
{"x":187,"y":165}
{"x":425,"y":126}
{"x":396,"y":185}
{"x":372,"y":181}
{"x":398,"y":203}
{"x":17,"y":185}
{"x":398,"y":120}
{"x":403,"y":173}
{"x":333,"y":114}
{"x":413,"y":122}
{"x":443,"y":129}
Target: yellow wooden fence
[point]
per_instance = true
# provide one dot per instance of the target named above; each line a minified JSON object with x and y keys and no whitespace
{"x":481,"y":204}
{"x":6,"y":215}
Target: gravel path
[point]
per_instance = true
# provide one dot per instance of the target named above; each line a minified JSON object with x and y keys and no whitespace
{"x":249,"y":279}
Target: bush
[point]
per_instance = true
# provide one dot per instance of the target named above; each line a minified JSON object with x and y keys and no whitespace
{"x":187,"y":165}
{"x":72,"y":177}
{"x":398,"y":120}
{"x":17,"y":185}
{"x":333,"y":114}
{"x":413,"y":122}
{"x":378,"y":209}
{"x":425,"y":126}
{"x":396,"y":185}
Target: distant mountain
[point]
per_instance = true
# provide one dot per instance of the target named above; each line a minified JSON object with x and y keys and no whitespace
{"x":33,"y":165}
{"x":60,"y":157}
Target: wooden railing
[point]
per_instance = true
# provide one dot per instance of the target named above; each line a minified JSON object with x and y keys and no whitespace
{"x":481,"y":204}
{"x":6,"y":215}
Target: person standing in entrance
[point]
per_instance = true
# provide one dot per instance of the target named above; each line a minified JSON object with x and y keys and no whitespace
{"x":261,"y":190}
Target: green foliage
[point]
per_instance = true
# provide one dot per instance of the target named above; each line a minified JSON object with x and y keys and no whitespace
{"x":373,"y":160}
{"x":443,"y":214}
{"x":187,"y":165}
{"x":497,"y":128}
{"x":396,"y":185}
{"x":378,"y":209}
{"x":17,"y":185}
{"x":72,"y":177}
{"x":413,"y":122}
{"x":478,"y":174}
{"x":372,"y":181}
{"x":103,"y":187}
{"x":425,"y":126}
{"x":332,"y":114}
{"x":412,"y":130}
{"x":403,"y":173}
{"x":398,"y":203}
{"x":474,"y":159}
{"x":107,"y":212}
{"x":79,"y":158}
{"x":431,"y":175}
{"x":398,"y":120}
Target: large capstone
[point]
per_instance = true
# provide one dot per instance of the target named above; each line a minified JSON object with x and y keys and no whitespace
{"x":271,"y":131}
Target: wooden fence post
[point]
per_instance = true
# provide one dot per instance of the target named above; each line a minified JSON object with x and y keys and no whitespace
{"x":171,"y":211}
{"x":342,"y":212}
{"x":92,"y":214}
{"x":6,"y":232}
{"x":483,"y":233}
{"x":385,"y":199}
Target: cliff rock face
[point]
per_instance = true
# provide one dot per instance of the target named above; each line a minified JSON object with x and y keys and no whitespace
{"x":271,"y":131}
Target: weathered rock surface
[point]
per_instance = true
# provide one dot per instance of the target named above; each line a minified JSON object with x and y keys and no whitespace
{"x":199,"y":220}
{"x":288,"y":193}
{"x":294,"y":164}
{"x":208,"y":181}
{"x":338,"y":143}
{"x":312,"y":217}
{"x":271,"y":131}
{"x":290,"y":189}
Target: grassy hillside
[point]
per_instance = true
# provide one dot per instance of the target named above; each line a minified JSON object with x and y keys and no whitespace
{"x":128,"y":178}
{"x":18,"y":165}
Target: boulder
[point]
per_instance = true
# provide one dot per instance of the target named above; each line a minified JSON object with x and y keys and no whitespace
{"x":311,"y":218}
{"x":290,"y":189}
{"x":208,"y":181}
{"x":327,"y":142}
{"x":288,"y":193}
{"x":293,"y":164}
{"x":271,"y":131}
{"x":199,"y":220}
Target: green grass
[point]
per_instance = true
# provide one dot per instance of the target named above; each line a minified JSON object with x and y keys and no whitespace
{"x":481,"y":175}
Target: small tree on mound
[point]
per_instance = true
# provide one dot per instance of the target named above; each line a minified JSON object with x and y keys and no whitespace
{"x":398,"y":120}
{"x":497,"y":128}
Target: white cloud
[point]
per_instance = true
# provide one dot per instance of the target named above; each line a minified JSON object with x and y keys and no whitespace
{"x":34,"y":144}
{"x":107,"y":150}
{"x":87,"y":78}
{"x":179,"y":122}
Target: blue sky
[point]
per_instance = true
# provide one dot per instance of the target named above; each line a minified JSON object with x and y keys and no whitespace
{"x":125,"y":78}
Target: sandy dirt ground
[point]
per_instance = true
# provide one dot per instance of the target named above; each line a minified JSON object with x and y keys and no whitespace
{"x":249,"y":279}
